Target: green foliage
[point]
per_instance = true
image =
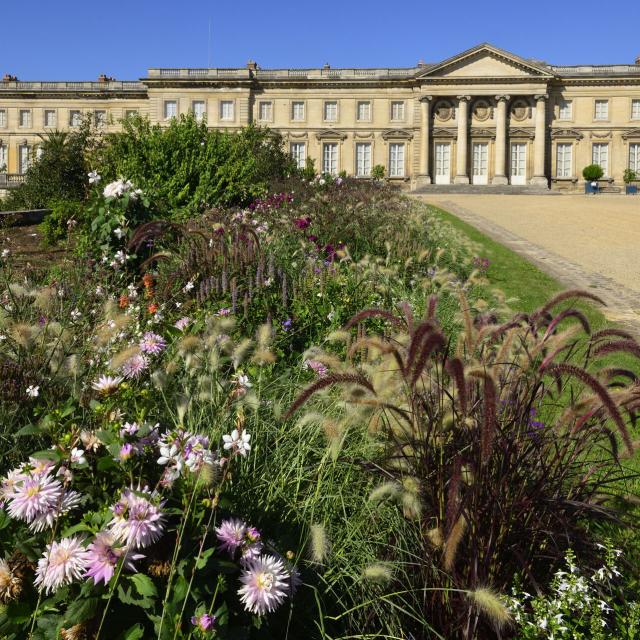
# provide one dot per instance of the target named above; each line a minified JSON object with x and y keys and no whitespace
{"x":309,"y":171}
{"x":64,"y":216}
{"x":378,"y":172}
{"x":629,"y":176}
{"x":187,"y":166}
{"x":592,"y":172}
{"x":60,"y":173}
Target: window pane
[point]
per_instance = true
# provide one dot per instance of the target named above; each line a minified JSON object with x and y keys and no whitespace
{"x":634,"y":157}
{"x":49,"y":118}
{"x":397,"y":110}
{"x":3,"y":158}
{"x":565,"y":110}
{"x":298,"y":153}
{"x":635,"y":109}
{"x":170,"y":109}
{"x":198,"y":109}
{"x":3,"y":118}
{"x":363,"y":159}
{"x":226,"y":110}
{"x":364,"y":111}
{"x":74,"y":118}
{"x":130,"y":113}
{"x":265,"y":112}
{"x":600,"y":155}
{"x":563,"y":160}
{"x":100,"y":118}
{"x":330,"y":110}
{"x":24,"y":158}
{"x":396,"y":160}
{"x":330,"y":158}
{"x":297,"y":111}
{"x":602,"y":109}
{"x":25,"y":118}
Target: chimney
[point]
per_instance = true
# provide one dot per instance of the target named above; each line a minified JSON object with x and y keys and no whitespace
{"x":7,"y":77}
{"x":421,"y":63}
{"x":252,"y":65}
{"x":104,"y":78}
{"x":326,"y":65}
{"x":638,"y":60}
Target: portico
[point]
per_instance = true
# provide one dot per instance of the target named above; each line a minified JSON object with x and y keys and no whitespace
{"x":473,"y":131}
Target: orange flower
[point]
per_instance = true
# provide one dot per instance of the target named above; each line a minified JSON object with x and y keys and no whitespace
{"x":147,"y":280}
{"x":152,"y":308}
{"x":124,"y":301}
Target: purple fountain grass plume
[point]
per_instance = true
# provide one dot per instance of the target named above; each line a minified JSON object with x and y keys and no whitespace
{"x":489,"y":413}
{"x":614,"y":372}
{"x":453,"y":494}
{"x":599,"y":390}
{"x":468,"y":321}
{"x":568,"y":313}
{"x":372,"y":313}
{"x":417,"y":338}
{"x":223,"y":279}
{"x":611,"y":332}
{"x":284,"y":290}
{"x":455,"y":369}
{"x":618,"y":346}
{"x":568,"y":295}
{"x":434,"y":342}
{"x":432,"y":307}
{"x":234,"y":294}
{"x":408,"y":315}
{"x":328,"y":381}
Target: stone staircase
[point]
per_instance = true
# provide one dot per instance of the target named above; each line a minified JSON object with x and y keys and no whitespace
{"x":493,"y":189}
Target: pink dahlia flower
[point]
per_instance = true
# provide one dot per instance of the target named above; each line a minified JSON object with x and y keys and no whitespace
{"x":103,"y":556}
{"x":231,"y":534}
{"x":265,"y":584}
{"x":152,"y":343}
{"x":137,"y":521}
{"x":62,"y":563}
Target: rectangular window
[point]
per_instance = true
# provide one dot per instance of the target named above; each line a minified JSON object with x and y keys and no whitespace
{"x":24,"y":118}
{"x":226,"y":110}
{"x":100,"y":118}
{"x":331,"y":111}
{"x":3,"y":117}
{"x":265,"y":111}
{"x":363,"y":159}
{"x":563,"y":160}
{"x":50,"y":119}
{"x":565,"y":110}
{"x":297,"y":111}
{"x":600,"y":155}
{"x":170,"y":109}
{"x":24,"y":158}
{"x":3,"y":158}
{"x":602,"y":110}
{"x":130,"y":113}
{"x":330,"y":158}
{"x":635,"y":109}
{"x":634,"y":157}
{"x":75,"y":118}
{"x":364,"y":111}
{"x":396,"y":160}
{"x":299,"y":154}
{"x":397,"y":110}
{"x":199,"y":109}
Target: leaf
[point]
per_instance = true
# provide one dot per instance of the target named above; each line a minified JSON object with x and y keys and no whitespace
{"x":127,"y":598}
{"x":202,"y":560}
{"x":144,"y":585}
{"x":29,"y":430}
{"x":106,"y":437}
{"x":80,"y":610}
{"x":46,"y":455}
{"x":134,"y":633}
{"x":69,"y":531}
{"x":105,"y":463}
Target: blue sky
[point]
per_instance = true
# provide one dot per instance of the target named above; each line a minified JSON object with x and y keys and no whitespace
{"x":61,"y":39}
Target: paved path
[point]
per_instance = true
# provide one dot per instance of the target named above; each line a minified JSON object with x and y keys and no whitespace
{"x":587,"y":242}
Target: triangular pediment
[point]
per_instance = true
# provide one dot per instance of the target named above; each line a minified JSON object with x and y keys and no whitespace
{"x":487,"y":61}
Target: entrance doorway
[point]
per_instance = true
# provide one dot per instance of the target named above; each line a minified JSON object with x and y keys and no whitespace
{"x":480,"y":157}
{"x":518,"y":163}
{"x":443,"y":162}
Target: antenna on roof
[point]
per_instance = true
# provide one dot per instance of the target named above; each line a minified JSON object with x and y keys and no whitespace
{"x":209,"y":46}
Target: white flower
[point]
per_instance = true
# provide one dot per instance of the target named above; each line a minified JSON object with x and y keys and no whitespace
{"x":77,"y":456}
{"x":188,"y":286}
{"x":107,"y":384}
{"x":94,"y":177}
{"x":33,"y":392}
{"x":5,"y":253}
{"x":238,"y":442}
{"x":118,"y":233}
{"x":243,"y":381}
{"x":75,"y":314}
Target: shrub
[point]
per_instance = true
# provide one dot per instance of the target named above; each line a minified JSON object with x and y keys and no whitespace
{"x":629,"y":175}
{"x":187,"y":166}
{"x":592,"y":172}
{"x":378,"y":172}
{"x":64,"y":217}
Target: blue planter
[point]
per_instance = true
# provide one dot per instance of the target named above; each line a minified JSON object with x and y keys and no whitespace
{"x":631,"y":189}
{"x":589,"y":188}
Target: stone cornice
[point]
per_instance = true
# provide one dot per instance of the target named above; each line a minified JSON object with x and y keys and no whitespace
{"x":393,"y":134}
{"x":331,"y":134}
{"x":566,"y":133}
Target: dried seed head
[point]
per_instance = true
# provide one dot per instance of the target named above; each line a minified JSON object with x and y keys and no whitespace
{"x":318,"y":544}
{"x":378,"y":573}
{"x":490,"y":603}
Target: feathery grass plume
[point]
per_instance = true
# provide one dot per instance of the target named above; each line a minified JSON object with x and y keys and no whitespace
{"x":373,"y":313}
{"x":24,"y":334}
{"x":610,"y":333}
{"x":240,"y":352}
{"x":410,"y":498}
{"x":45,"y":299}
{"x":123,"y":356}
{"x":378,"y":572}
{"x":491,"y":605}
{"x":455,"y":369}
{"x":385,"y":491}
{"x":601,"y":392}
{"x":452,"y":542}
{"x":17,"y":290}
{"x":489,"y":411}
{"x":568,"y":313}
{"x":319,"y":544}
{"x":338,"y":336}
{"x":189,"y":345}
{"x":468,"y":321}
{"x":435,"y":537}
{"x":434,"y":342}
{"x":417,"y":340}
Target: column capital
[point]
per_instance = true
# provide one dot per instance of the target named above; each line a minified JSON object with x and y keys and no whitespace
{"x":426,"y":98}
{"x":541,"y":96}
{"x":464,"y":98}
{"x":504,"y":97}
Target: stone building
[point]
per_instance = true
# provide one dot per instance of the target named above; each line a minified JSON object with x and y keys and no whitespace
{"x":485,"y":116}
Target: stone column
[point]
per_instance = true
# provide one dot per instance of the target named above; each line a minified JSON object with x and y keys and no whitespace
{"x":425,"y":107}
{"x":461,"y":176}
{"x":540,"y":143}
{"x":500,"y":176}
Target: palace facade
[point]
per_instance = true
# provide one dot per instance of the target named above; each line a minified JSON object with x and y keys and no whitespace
{"x":485,"y":116}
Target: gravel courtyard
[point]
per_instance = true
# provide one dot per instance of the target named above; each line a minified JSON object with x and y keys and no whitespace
{"x":590,"y":242}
